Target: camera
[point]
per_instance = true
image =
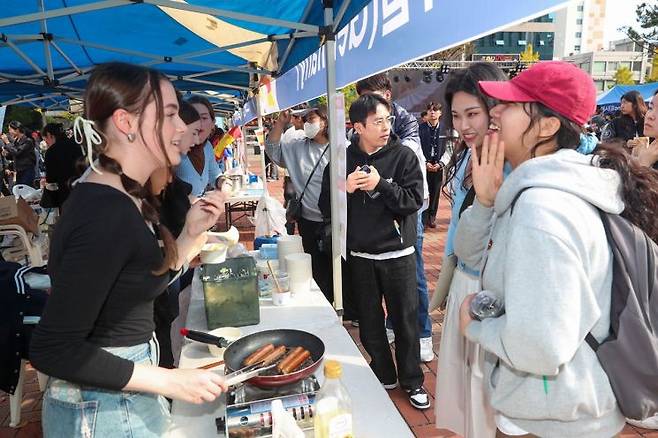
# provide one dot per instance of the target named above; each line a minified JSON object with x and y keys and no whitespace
{"x":372,"y":193}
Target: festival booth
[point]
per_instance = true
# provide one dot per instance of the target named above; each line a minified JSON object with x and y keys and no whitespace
{"x":311,"y":48}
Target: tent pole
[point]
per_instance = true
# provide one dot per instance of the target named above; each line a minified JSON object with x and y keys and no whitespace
{"x":330,"y":46}
{"x":46,"y":45}
{"x":262,"y":148}
{"x":225,"y":13}
{"x":260,"y":127}
{"x":291,"y":43}
{"x":341,"y":13}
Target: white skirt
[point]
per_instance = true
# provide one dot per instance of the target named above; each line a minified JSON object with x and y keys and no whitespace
{"x":461,"y":403}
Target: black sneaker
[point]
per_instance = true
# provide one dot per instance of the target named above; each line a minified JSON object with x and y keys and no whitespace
{"x":355,"y":323}
{"x":418,"y":398}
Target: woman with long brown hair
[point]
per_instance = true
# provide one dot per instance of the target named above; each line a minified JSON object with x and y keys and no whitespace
{"x":198,"y":167}
{"x":547,"y":257}
{"x":95,"y":338}
{"x":460,"y":400}
{"x":630,"y":123}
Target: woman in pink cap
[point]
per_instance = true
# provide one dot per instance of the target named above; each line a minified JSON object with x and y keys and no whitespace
{"x":547,"y":257}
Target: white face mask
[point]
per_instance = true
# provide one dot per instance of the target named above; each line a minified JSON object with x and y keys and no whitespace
{"x":311,"y":129}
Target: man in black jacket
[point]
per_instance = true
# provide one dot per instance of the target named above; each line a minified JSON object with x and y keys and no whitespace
{"x":384,"y":193}
{"x":433,"y":144}
{"x":405,"y":127}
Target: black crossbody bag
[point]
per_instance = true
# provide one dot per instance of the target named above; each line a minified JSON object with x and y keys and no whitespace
{"x":294,"y":209}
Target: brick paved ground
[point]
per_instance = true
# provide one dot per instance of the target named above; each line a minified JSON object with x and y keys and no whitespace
{"x":420,"y":422}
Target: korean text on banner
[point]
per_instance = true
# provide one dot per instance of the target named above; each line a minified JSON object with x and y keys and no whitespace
{"x":387,"y":33}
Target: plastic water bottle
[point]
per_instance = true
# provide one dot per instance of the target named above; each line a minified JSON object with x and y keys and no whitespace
{"x":333,"y":407}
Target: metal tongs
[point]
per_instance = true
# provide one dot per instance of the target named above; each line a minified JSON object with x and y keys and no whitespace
{"x":247,"y":373}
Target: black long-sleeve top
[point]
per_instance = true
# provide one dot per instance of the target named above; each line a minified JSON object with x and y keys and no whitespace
{"x":174,"y":205}
{"x":61,"y":159}
{"x":101,"y":263}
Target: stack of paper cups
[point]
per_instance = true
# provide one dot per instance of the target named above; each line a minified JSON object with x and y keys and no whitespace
{"x":300,"y":272}
{"x":288,"y":245}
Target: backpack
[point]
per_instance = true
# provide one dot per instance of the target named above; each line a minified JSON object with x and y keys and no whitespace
{"x":629,"y":355}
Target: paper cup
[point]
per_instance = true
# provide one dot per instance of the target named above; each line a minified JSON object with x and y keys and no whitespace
{"x":281,"y":299}
{"x":300,"y":272}
{"x":213,"y":253}
{"x":288,"y":245}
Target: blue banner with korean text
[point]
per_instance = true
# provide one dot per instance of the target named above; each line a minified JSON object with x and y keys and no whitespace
{"x":387,"y":33}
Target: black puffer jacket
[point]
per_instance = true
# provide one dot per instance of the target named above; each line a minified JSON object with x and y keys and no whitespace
{"x":22,"y":152}
{"x":406,"y":125}
{"x":624,"y":127}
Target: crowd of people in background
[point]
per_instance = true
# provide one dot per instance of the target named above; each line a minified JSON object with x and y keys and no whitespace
{"x":525,"y":168}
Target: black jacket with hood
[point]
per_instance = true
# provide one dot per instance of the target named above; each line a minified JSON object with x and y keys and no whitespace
{"x":387,"y":222}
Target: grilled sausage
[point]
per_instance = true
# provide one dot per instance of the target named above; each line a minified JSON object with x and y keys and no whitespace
{"x":258,"y":355}
{"x":296,"y":362}
{"x":274,"y":356}
{"x":289,"y":357}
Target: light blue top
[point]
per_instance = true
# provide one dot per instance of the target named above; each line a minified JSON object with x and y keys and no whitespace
{"x":458,"y":195}
{"x":211,"y":171}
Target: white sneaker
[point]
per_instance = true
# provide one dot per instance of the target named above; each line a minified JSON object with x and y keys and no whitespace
{"x":390,"y":334}
{"x":419,"y":398}
{"x":426,"y":349}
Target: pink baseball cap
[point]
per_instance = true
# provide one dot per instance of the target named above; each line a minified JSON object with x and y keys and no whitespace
{"x":562,"y":87}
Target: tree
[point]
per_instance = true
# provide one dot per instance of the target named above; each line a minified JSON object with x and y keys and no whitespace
{"x":458,"y":53}
{"x":647,"y":34}
{"x":653,"y":77}
{"x":529,"y":55}
{"x":28,"y":116}
{"x":624,"y":76}
{"x":350,"y":96}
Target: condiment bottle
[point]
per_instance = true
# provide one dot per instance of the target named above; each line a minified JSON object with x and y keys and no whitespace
{"x":333,"y":407}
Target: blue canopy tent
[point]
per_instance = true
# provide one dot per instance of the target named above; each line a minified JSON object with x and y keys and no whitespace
{"x":48,"y":47}
{"x":613,"y":95}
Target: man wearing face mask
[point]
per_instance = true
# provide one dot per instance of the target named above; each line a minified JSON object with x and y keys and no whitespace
{"x":305,"y":159}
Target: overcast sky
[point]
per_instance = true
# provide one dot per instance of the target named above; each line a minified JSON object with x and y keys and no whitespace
{"x":620,"y":13}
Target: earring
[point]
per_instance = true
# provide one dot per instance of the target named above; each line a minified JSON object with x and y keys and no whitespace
{"x":131,"y":137}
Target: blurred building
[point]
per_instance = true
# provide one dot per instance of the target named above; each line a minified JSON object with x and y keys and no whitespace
{"x":579,"y":28}
{"x":539,"y":32}
{"x":602,"y":65}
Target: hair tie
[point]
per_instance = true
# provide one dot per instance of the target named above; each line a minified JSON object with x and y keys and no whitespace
{"x":83,"y":129}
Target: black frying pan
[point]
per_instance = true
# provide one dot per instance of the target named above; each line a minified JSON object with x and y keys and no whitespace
{"x":239,"y":350}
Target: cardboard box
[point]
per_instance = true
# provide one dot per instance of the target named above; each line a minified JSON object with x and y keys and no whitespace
{"x":13,"y":212}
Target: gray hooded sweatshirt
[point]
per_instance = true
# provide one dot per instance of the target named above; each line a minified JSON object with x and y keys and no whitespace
{"x":551,"y":263}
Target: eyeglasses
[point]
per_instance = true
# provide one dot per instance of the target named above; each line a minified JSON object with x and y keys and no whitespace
{"x":379,"y":122}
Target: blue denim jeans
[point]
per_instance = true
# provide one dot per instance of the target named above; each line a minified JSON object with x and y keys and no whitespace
{"x":424,"y":320}
{"x":76,"y":411}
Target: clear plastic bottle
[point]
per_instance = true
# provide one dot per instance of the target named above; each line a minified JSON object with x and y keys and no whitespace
{"x":333,"y":406}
